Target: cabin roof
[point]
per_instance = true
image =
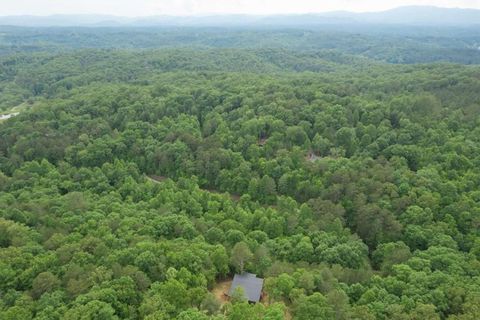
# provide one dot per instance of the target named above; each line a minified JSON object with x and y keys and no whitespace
{"x":250,"y":284}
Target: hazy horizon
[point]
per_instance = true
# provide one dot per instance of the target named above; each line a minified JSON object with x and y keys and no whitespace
{"x":143,"y":8}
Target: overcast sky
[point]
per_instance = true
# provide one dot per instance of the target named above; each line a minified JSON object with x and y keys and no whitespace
{"x":198,"y":7}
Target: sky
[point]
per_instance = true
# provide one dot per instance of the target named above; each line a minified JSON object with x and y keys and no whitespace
{"x":201,"y":7}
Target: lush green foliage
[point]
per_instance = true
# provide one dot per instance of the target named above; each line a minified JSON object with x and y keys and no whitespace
{"x":350,"y":185}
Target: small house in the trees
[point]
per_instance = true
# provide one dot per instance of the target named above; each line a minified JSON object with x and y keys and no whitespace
{"x":252,"y":286}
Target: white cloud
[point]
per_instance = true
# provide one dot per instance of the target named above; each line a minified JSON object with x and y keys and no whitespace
{"x":189,"y":7}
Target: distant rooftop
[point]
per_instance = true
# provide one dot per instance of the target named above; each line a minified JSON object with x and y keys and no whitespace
{"x":250,"y":284}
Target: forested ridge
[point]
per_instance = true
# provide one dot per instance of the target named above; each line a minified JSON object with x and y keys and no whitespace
{"x":389,"y":43}
{"x":132,"y":181}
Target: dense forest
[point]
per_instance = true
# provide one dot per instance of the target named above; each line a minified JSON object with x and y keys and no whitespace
{"x":392,"y":44}
{"x":137,"y":177}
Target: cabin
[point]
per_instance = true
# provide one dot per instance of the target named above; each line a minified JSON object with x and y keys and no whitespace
{"x":262,"y":142}
{"x":312,"y":157}
{"x":251,"y":285}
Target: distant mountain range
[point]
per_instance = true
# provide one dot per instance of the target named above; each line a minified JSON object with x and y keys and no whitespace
{"x":413,"y":16}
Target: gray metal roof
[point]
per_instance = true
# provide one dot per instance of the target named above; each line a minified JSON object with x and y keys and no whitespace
{"x":250,"y":284}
